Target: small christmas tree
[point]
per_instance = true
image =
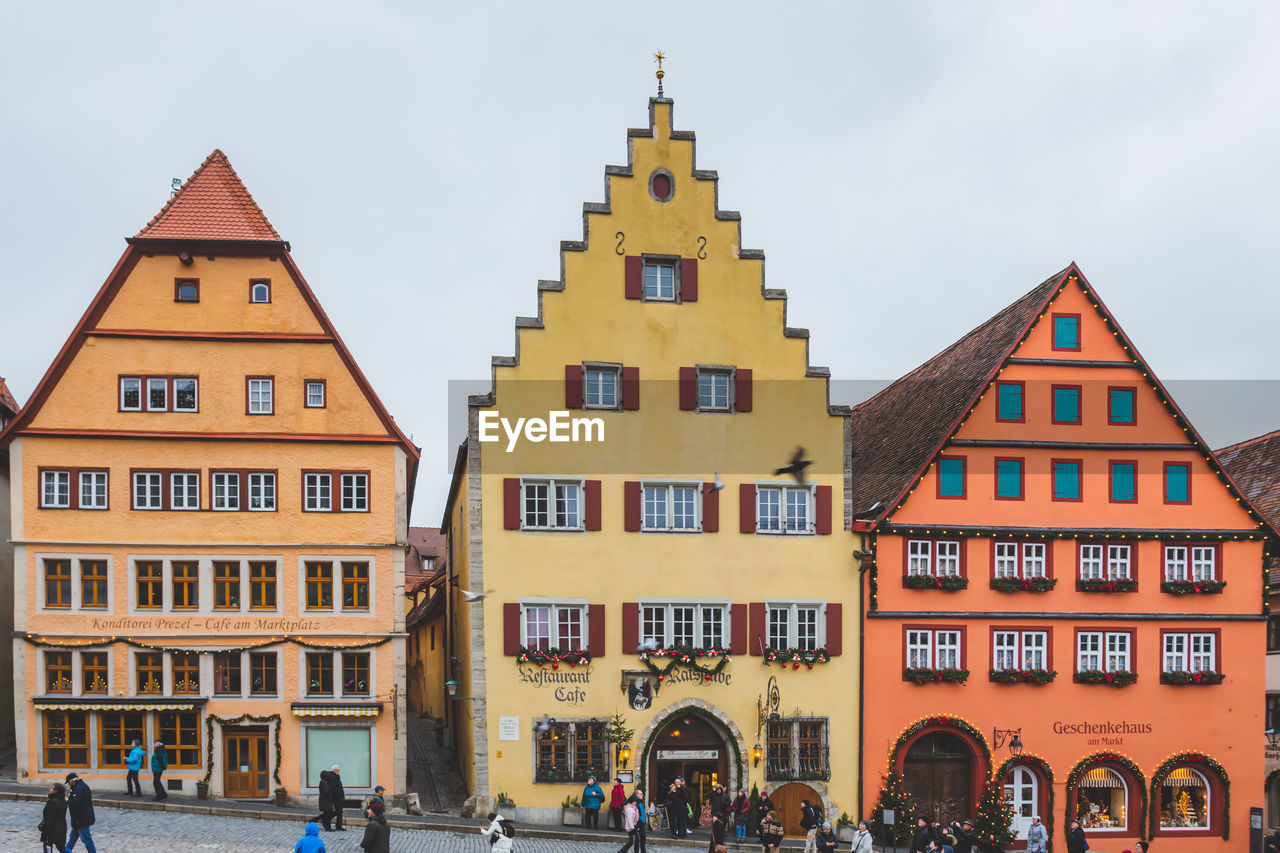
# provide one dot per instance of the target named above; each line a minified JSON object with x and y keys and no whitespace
{"x":992,"y":829}
{"x":893,"y":796}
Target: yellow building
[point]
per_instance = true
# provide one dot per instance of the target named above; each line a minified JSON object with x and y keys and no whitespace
{"x":660,"y":367}
{"x":209,"y":516}
{"x":424,"y":622}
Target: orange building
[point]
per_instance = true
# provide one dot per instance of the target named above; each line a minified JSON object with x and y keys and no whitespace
{"x":209,"y":516}
{"x":1056,"y":562}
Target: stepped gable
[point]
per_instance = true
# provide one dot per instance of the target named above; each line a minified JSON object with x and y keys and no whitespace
{"x":213,"y":204}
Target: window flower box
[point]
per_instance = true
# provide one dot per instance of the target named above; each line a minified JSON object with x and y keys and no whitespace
{"x":1023,"y":676}
{"x":795,"y":657}
{"x":1106,"y":585}
{"x":948,"y":583}
{"x":555,"y":657}
{"x":1182,"y":676}
{"x":1119,"y":678}
{"x":1023,"y":584}
{"x":1192,"y":587}
{"x":922,"y":675}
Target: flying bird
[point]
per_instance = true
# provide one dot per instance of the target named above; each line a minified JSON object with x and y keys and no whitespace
{"x":468,"y":596}
{"x":714,"y":487}
{"x":649,"y":644}
{"x":544,"y":725}
{"x":797,"y":466}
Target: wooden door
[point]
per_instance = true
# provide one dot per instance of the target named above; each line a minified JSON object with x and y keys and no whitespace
{"x":245,"y":768}
{"x":786,"y":802}
{"x":939,"y":789}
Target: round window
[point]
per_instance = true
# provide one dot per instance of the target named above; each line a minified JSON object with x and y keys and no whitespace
{"x":661,"y":185}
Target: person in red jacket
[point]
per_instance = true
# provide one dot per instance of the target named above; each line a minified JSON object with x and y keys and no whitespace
{"x":617,"y":797}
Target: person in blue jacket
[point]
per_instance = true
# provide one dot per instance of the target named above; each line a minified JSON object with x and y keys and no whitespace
{"x":134,"y":763}
{"x":310,"y":842}
{"x":592,"y":799}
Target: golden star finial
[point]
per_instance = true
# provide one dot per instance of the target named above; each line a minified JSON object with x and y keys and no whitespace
{"x":658,"y":57}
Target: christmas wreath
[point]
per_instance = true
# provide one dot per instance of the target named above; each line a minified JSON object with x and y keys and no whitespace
{"x":1192,"y":587}
{"x":1119,"y":678}
{"x":949,"y":583}
{"x":1089,"y":761}
{"x":1023,"y":584}
{"x":929,"y":675}
{"x":1023,"y":676}
{"x":940,"y":721}
{"x":795,"y":657}
{"x":1182,"y":676}
{"x":685,"y":656}
{"x":1169,"y":764}
{"x":555,"y":657}
{"x":1106,"y":585}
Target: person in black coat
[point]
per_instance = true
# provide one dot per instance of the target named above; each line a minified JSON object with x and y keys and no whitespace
{"x":763,"y":807}
{"x":1075,"y":838}
{"x":717,"y":831}
{"x":80,"y":813}
{"x":377,"y":835}
{"x":53,"y":823}
{"x":331,"y":799}
{"x":678,"y":810}
{"x":963,"y":833}
{"x":920,"y":841}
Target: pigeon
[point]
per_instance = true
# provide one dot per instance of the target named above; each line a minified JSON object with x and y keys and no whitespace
{"x":714,"y":487}
{"x":468,"y":596}
{"x":544,"y":725}
{"x":797,"y":466}
{"x":649,"y":645}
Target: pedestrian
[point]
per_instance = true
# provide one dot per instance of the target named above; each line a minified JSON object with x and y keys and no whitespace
{"x":771,"y":832}
{"x":53,"y":822}
{"x":80,"y":813}
{"x":378,"y":792}
{"x":1143,"y":846}
{"x":809,"y":823}
{"x":717,"y":843}
{"x":763,"y":806}
{"x":499,"y":841}
{"x":826,"y":840}
{"x":134,"y":764}
{"x":630,"y":817}
{"x":739,"y":812}
{"x":1037,"y":836}
{"x":677,"y":810}
{"x":1076,"y":842}
{"x":617,"y":800}
{"x":963,"y":833}
{"x":310,"y":842}
{"x":159,"y":763}
{"x":720,"y":803}
{"x":331,"y":797}
{"x":862,"y":838}
{"x":377,"y":835}
{"x":592,"y":798}
{"x":920,"y":841}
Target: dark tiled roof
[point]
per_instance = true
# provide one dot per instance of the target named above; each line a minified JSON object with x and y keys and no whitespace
{"x":1255,"y":466}
{"x":6,"y":398}
{"x":898,"y":431}
{"x":423,"y":542}
{"x":425,"y":610}
{"x":212,"y":205}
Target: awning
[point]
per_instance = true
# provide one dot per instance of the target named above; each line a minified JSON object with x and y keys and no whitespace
{"x":329,"y":709}
{"x":1184,"y":777}
{"x":115,"y":705}
{"x":1101,"y":777}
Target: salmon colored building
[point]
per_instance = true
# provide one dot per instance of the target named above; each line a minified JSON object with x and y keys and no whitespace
{"x":209,"y":516}
{"x":1053,"y":552}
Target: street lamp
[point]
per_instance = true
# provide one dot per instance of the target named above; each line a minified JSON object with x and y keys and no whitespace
{"x":1273,"y":737}
{"x":624,"y":755}
{"x":452,"y":687}
{"x":1012,"y":736}
{"x":757,"y":752}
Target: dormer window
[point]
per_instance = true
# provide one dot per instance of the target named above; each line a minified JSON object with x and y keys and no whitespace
{"x":260,"y":291}
{"x":186,"y":290}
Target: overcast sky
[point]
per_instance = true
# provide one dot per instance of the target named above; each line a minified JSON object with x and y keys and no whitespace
{"x":908,"y":168}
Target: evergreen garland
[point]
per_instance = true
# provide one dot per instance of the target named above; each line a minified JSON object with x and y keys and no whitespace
{"x":1192,"y":587}
{"x":894,"y":796}
{"x":795,"y":657}
{"x":243,"y":718}
{"x":942,"y":721}
{"x":1023,"y":676}
{"x":992,"y":830}
{"x":929,"y":675}
{"x":685,"y":656}
{"x":1023,"y":584}
{"x":1106,"y":585}
{"x":1182,"y":676}
{"x":1033,"y":760}
{"x":1119,"y":678}
{"x":555,"y":657}
{"x":947,"y":583}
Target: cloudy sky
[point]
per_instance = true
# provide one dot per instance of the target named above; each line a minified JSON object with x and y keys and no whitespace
{"x":908,"y":168}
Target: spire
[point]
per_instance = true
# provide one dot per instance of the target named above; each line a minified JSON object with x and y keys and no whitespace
{"x":213,"y":204}
{"x":658,"y":57}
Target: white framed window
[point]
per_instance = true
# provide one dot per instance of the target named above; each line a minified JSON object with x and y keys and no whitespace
{"x":184,"y":491}
{"x":784,"y":509}
{"x":689,"y":624}
{"x":186,"y":394}
{"x":1025,"y":650}
{"x":796,"y":624}
{"x":600,"y":387}
{"x":260,"y":292}
{"x":130,"y":394}
{"x":355,"y":492}
{"x":93,"y":490}
{"x":261,"y":396}
{"x":157,"y":394}
{"x":315,"y":394}
{"x":714,"y":389}
{"x":1104,"y":651}
{"x":1020,"y":559}
{"x":1190,"y":562}
{"x":55,"y":489}
{"x":552,"y":504}
{"x":1111,"y":562}
{"x":147,"y":490}
{"x":659,"y":281}
{"x":554,"y":625}
{"x":1190,"y":652}
{"x":671,"y":507}
{"x":919,"y":649}
{"x":226,"y":490}
{"x":262,"y":491}
{"x":934,"y":648}
{"x":317,"y":492}
{"x":938,"y":557}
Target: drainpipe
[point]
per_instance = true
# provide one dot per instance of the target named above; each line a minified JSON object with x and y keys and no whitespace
{"x":865,"y":561}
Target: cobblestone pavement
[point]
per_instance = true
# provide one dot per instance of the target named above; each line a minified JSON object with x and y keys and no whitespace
{"x":126,"y":831}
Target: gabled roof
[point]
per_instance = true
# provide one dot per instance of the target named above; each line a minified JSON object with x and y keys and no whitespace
{"x":6,"y":398}
{"x":1255,"y":466}
{"x":213,"y":204}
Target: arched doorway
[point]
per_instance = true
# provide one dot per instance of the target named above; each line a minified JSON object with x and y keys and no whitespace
{"x":1022,"y":791}
{"x":786,"y":802}
{"x":691,"y":746}
{"x":938,"y":776}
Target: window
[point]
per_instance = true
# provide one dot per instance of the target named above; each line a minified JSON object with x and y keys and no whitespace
{"x":1273,"y":636}
{"x":552,"y":504}
{"x":93,"y":673}
{"x":784,"y":509}
{"x":659,"y":281}
{"x":93,"y":490}
{"x":1020,"y":650}
{"x":262,"y":491}
{"x":93,"y":584}
{"x":262,"y":673}
{"x":1009,"y":479}
{"x":55,"y":489}
{"x":147,"y":492}
{"x":260,"y":290}
{"x":1190,"y":562}
{"x":1066,"y":404}
{"x":180,"y":731}
{"x":260,"y":394}
{"x":934,"y":648}
{"x":796,"y":748}
{"x":66,"y":739}
{"x":149,"y":673}
{"x":1066,"y":331}
{"x":1124,"y":482}
{"x":699,"y":625}
{"x":713,"y":390}
{"x":355,"y":492}
{"x":226,"y":585}
{"x":314,"y":394}
{"x":186,"y":673}
{"x":1021,"y":560}
{"x":940,"y":557}
{"x":57,"y":672}
{"x":1185,"y":800}
{"x":1103,"y":651}
{"x":186,"y":290}
{"x":186,"y":584}
{"x":348,"y":746}
{"x":185,"y":395}
{"x":1066,"y":479}
{"x":355,"y":586}
{"x":555,"y":626}
{"x":951,"y":480}
{"x":1105,"y":561}
{"x":570,"y":752}
{"x":319,"y":674}
{"x":671,"y":507}
{"x":150,"y":584}
{"x":130,"y":394}
{"x":1177,"y":483}
{"x":319,"y":583}
{"x":157,"y":394}
{"x":184,"y":491}
{"x":1009,"y":397}
{"x":262,"y":585}
{"x":796,"y":626}
{"x":1190,"y":652}
{"x":600,"y":387}
{"x":355,"y":673}
{"x":226,"y":490}
{"x":1102,"y":800}
{"x":226,"y":673}
{"x":317,"y":492}
{"x":1121,"y":407}
{"x":57,"y":584}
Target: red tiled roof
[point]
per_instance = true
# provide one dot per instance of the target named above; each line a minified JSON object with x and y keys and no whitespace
{"x":6,"y":398}
{"x":212,"y":205}
{"x":1255,"y":466}
{"x":423,"y":542}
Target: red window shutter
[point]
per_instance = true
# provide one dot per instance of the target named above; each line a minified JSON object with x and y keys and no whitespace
{"x":755,"y":628}
{"x":573,"y":386}
{"x":822,"y":521}
{"x":511,"y":503}
{"x":710,"y":509}
{"x":688,"y":279}
{"x":634,"y":268}
{"x":630,"y":388}
{"x":738,"y":629}
{"x":595,"y":630}
{"x":631,"y":505}
{"x":592,"y":519}
{"x":630,"y":627}
{"x":511,"y":629}
{"x":688,"y":388}
{"x":747,"y":508}
{"x":835,"y":630}
{"x":742,"y":389}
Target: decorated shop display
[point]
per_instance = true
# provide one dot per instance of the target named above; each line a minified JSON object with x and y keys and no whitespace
{"x":1101,"y":795}
{"x":1181,"y":795}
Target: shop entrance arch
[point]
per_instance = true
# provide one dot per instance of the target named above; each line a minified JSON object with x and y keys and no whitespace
{"x":938,"y":777}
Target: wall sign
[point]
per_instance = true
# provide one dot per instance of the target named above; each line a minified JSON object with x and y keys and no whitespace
{"x":508,"y":728}
{"x":687,"y":754}
{"x":1103,"y":732}
{"x":211,"y":624}
{"x":570,"y":685}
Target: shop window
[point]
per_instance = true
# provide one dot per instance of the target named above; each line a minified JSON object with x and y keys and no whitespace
{"x":66,"y":739}
{"x":117,"y":730}
{"x":1184,"y":800}
{"x":180,"y":731}
{"x":797,"y":748}
{"x":1102,"y":800}
{"x":346,"y":747}
{"x":570,"y":752}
